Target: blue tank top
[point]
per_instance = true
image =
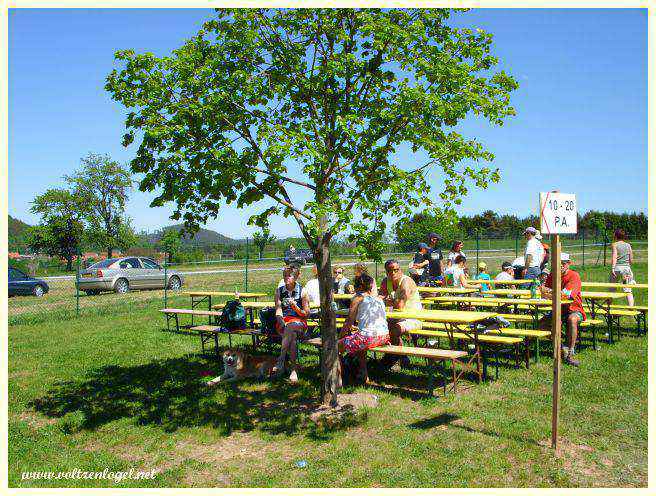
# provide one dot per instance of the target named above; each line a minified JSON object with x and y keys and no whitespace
{"x":286,"y":297}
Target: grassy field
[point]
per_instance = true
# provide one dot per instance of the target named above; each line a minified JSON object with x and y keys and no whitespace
{"x":112,"y":389}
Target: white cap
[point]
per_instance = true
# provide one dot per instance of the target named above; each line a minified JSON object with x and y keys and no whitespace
{"x":564,"y":257}
{"x":531,"y":230}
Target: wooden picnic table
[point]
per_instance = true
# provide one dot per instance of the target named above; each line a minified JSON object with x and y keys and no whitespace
{"x":593,"y":284}
{"x":535,"y":303}
{"x":456,"y":321}
{"x":446,"y":290}
{"x":524,"y":293}
{"x":197,"y":297}
{"x":500,"y":283}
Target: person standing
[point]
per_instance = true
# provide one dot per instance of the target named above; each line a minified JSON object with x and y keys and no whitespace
{"x":621,"y":260}
{"x":456,"y":250}
{"x":419,"y":262}
{"x":533,"y":255}
{"x":433,"y":263}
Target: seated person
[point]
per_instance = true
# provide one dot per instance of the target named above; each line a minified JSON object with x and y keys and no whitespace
{"x":399,"y":292}
{"x":311,"y":291}
{"x":371,"y":331}
{"x":507,"y":272}
{"x":483,"y":276}
{"x":571,"y":313}
{"x":459,"y":274}
{"x":341,"y":285}
{"x":281,"y":283}
{"x":292,"y":310}
{"x":359,"y":269}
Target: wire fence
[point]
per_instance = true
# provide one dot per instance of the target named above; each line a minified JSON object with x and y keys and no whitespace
{"x":68,"y":296}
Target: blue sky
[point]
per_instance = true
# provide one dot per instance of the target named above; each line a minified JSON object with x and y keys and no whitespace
{"x":581,"y":125}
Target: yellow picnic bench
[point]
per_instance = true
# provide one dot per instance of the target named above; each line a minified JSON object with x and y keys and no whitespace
{"x":430,"y":354}
{"x":173,"y":313}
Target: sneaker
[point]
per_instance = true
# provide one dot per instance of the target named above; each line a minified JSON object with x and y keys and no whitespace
{"x":570,"y":360}
{"x":293,"y":377}
{"x":564,"y":352}
{"x":278,"y":369}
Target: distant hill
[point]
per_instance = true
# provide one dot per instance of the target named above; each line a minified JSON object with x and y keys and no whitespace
{"x":16,"y":230}
{"x":201,"y":238}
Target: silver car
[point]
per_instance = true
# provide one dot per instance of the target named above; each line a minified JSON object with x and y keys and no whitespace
{"x":127,"y":273}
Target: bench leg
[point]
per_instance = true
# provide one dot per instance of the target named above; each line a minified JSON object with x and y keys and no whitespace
{"x":431,"y":380}
{"x":496,"y":364}
{"x":594,"y":338}
{"x":527,"y":348}
{"x":455,"y":377}
{"x":202,"y":343}
{"x":177,"y":323}
{"x":216,"y":343}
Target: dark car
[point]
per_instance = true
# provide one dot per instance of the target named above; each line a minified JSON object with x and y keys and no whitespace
{"x":21,"y":284}
{"x":300,"y":257}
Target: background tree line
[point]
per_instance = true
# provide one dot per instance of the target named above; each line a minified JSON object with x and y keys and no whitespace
{"x":489,"y":224}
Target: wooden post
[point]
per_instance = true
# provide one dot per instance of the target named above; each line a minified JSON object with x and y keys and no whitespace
{"x":555,"y":333}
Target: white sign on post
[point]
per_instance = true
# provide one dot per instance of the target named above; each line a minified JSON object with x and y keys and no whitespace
{"x":558,"y":213}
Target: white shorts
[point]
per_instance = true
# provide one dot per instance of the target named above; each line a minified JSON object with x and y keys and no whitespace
{"x":622,"y":274}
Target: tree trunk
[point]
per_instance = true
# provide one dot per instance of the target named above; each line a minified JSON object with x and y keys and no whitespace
{"x":329,"y":356}
{"x":69,"y":264}
{"x":110,"y":250}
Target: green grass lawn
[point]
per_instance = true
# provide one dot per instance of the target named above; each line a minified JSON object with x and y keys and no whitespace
{"x":114,"y":390}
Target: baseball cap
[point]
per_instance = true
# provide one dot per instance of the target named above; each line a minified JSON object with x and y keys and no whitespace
{"x":482,"y":265}
{"x":422,"y":246}
{"x":505,"y":265}
{"x":531,"y":230}
{"x":564,"y":257}
{"x":434,"y":235}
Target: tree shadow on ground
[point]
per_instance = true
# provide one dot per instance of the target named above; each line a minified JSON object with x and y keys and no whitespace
{"x":455,"y":421}
{"x":171,"y":393}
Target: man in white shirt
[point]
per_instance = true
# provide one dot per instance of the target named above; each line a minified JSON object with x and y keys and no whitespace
{"x":533,"y":255}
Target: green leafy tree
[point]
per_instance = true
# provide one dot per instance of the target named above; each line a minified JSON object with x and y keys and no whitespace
{"x":171,"y":242}
{"x":412,"y":230}
{"x":263,"y":238}
{"x":103,"y":184}
{"x":61,"y":230}
{"x":264,"y":104}
{"x":121,"y":237}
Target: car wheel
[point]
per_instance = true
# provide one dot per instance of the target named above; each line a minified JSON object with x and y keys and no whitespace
{"x":38,"y":290}
{"x":121,"y":286}
{"x":175,"y":283}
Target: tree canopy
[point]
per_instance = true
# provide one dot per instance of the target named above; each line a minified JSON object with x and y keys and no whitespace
{"x":264,"y":103}
{"x":103,"y":185}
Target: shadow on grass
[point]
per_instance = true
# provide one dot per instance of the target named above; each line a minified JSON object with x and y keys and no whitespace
{"x":455,"y":421}
{"x":171,"y":393}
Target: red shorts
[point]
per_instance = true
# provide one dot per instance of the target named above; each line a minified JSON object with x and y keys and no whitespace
{"x":300,"y":331}
{"x":355,"y":342}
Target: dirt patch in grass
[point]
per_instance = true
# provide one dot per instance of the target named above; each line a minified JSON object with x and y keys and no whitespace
{"x":34,"y":420}
{"x":578,"y":464}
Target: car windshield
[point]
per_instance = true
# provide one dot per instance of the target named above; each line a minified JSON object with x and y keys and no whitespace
{"x":103,"y":264}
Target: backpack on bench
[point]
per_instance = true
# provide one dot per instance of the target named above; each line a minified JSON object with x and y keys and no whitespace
{"x":233,"y":316}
